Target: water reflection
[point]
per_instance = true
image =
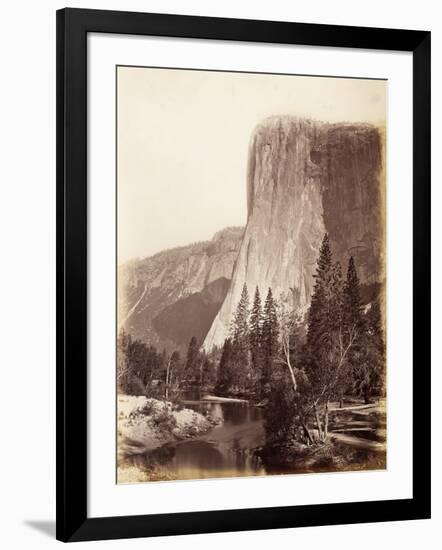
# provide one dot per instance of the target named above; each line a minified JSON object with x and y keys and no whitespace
{"x":228,"y":450}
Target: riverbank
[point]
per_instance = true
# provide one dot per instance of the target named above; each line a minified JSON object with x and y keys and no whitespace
{"x":215,"y":437}
{"x":146,"y":424}
{"x":332,"y":456}
{"x":357,"y":441}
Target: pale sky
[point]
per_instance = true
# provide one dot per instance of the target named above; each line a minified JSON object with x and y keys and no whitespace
{"x":183,"y":140}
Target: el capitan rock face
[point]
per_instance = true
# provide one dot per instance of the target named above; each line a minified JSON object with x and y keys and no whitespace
{"x":184,"y":285}
{"x":306,"y":178}
{"x":350,"y":157}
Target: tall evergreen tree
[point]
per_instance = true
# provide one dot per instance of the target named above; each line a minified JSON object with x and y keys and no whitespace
{"x":256,"y":319}
{"x":353,"y":316}
{"x":375,"y":326}
{"x":224,"y":378}
{"x":319,"y":314}
{"x":324,"y":318}
{"x":354,"y":329}
{"x":326,"y":366}
{"x":240,"y":323}
{"x":377,"y":340}
{"x":240,"y":342}
{"x":124,"y":343}
{"x":335,"y":307}
{"x":207,"y":372}
{"x":255,"y":328}
{"x":269,"y":340}
{"x":191,"y":368}
{"x":369,"y":359}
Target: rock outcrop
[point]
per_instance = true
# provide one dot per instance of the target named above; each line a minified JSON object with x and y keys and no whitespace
{"x":306,"y":178}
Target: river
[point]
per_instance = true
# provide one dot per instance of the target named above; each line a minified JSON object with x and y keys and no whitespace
{"x":227,"y":450}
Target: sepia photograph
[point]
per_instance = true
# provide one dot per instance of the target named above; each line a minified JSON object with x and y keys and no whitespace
{"x":251,"y":274}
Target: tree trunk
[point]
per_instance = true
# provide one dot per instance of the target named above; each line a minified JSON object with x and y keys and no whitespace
{"x":307,"y":432}
{"x":318,"y":423}
{"x":325,"y":422}
{"x":292,"y":373}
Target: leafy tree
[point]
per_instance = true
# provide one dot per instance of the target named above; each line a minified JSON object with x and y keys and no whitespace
{"x":173,"y":375}
{"x":137,"y":366}
{"x":290,"y":348}
{"x":280,"y":413}
{"x":285,"y":414}
{"x":287,"y":410}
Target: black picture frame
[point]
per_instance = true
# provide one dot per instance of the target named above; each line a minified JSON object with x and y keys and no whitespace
{"x":73,"y":25}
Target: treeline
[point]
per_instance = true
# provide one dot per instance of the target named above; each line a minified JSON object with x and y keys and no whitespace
{"x":293,"y":365}
{"x":247,"y":355}
{"x":342,"y":353}
{"x":296,"y":366}
{"x":143,"y":370}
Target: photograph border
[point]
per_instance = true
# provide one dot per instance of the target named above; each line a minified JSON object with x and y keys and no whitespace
{"x":73,"y":25}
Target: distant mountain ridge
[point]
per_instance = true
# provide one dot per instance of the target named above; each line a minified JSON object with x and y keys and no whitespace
{"x":175,"y":294}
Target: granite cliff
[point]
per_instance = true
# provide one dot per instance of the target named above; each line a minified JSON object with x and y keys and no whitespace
{"x":306,"y":178}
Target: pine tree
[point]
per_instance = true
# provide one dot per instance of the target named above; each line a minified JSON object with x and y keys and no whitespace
{"x":255,"y":329}
{"x":207,"y":372}
{"x":326,"y":352}
{"x":325,"y":315}
{"x":353,"y":311}
{"x":225,"y":378}
{"x":375,"y":326}
{"x":191,"y":368}
{"x":240,"y":342}
{"x":318,"y":315}
{"x":240,"y":323}
{"x":124,"y":343}
{"x":369,"y":360}
{"x":376,"y":333}
{"x":269,"y":340}
{"x":353,"y":329}
{"x":336,"y":300}
{"x":256,"y":320}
